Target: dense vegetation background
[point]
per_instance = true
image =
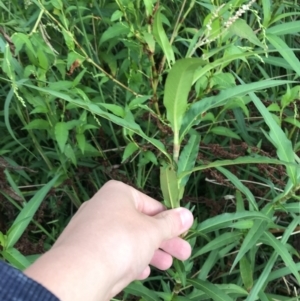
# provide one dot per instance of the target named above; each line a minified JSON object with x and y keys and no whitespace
{"x":200,"y":97}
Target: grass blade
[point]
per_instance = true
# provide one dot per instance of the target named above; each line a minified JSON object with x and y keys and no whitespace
{"x":169,"y":186}
{"x":27,"y":213}
{"x":219,"y":242}
{"x":188,"y":157}
{"x":241,"y":160}
{"x":239,"y":185}
{"x":287,"y":53}
{"x":283,"y":145}
{"x":162,"y":39}
{"x":284,"y":28}
{"x":250,"y":240}
{"x":177,"y":88}
{"x":137,"y":289}
{"x":224,"y":220}
{"x":281,"y":250}
{"x":94,"y":109}
{"x":211,"y":290}
{"x":193,"y":115}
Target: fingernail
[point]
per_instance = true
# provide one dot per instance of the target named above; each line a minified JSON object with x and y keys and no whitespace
{"x":186,"y":217}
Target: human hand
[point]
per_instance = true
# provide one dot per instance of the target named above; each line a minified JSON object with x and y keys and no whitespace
{"x":110,"y":242}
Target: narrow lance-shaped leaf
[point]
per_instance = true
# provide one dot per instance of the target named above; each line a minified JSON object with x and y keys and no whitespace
{"x":246,"y":273}
{"x":284,"y":147}
{"x":138,"y":289}
{"x":241,"y":160}
{"x":27,"y":213}
{"x":162,"y":39}
{"x":94,"y":109}
{"x":178,"y":85}
{"x":226,"y":219}
{"x":284,"y":28}
{"x":211,"y":290}
{"x":250,"y":240}
{"x":243,"y":30}
{"x":287,"y":53}
{"x":169,"y":186}
{"x":218,"y":243}
{"x":16,"y":258}
{"x":188,"y":157}
{"x":281,"y":249}
{"x":264,"y":275}
{"x":240,"y":186}
{"x":193,"y":115}
{"x":61,"y":134}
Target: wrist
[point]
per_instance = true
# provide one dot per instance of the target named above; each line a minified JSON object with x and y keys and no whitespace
{"x":71,"y":275}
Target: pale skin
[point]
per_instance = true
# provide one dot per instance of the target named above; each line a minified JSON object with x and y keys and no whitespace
{"x":111,"y":241}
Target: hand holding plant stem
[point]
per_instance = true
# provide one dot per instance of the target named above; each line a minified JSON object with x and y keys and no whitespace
{"x":110,"y":242}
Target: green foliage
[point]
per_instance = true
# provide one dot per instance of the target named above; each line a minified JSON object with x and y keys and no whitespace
{"x":198,"y":97}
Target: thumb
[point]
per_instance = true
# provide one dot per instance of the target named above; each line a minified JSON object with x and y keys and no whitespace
{"x":174,"y":222}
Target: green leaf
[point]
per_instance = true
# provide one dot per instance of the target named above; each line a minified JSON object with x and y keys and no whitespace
{"x":223,"y":131}
{"x":150,"y":157}
{"x":2,"y":240}
{"x":149,"y":39}
{"x":227,"y":289}
{"x":136,"y":288}
{"x":129,"y":150}
{"x":262,"y":280}
{"x":193,"y":115}
{"x":188,"y":157}
{"x":61,"y":132}
{"x":285,"y":28}
{"x":7,"y":103}
{"x":267,"y":12}
{"x":78,"y":78}
{"x":81,"y":142}
{"x":246,"y":273}
{"x":226,"y":219}
{"x":180,"y":270}
{"x":178,"y":85}
{"x":161,"y":38}
{"x":57,"y":4}
{"x":283,"y":145}
{"x":16,"y":258}
{"x":115,"y":109}
{"x":69,"y":152}
{"x":222,"y":81}
{"x":148,"y":7}
{"x":95,"y":109}
{"x":117,"y":15}
{"x":243,"y":224}
{"x":73,"y":57}
{"x":20,"y":39}
{"x":285,"y":51}
{"x":211,"y":290}
{"x":69,"y":39}
{"x":292,"y":207}
{"x":282,"y":251}
{"x":241,"y":160}
{"x":114,"y":31}
{"x":169,"y":186}
{"x":251,"y":239}
{"x":243,"y":30}
{"x":138,"y":101}
{"x":42,"y":58}
{"x":26,"y":215}
{"x":240,"y":186}
{"x":219,"y":242}
{"x":38,"y":124}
